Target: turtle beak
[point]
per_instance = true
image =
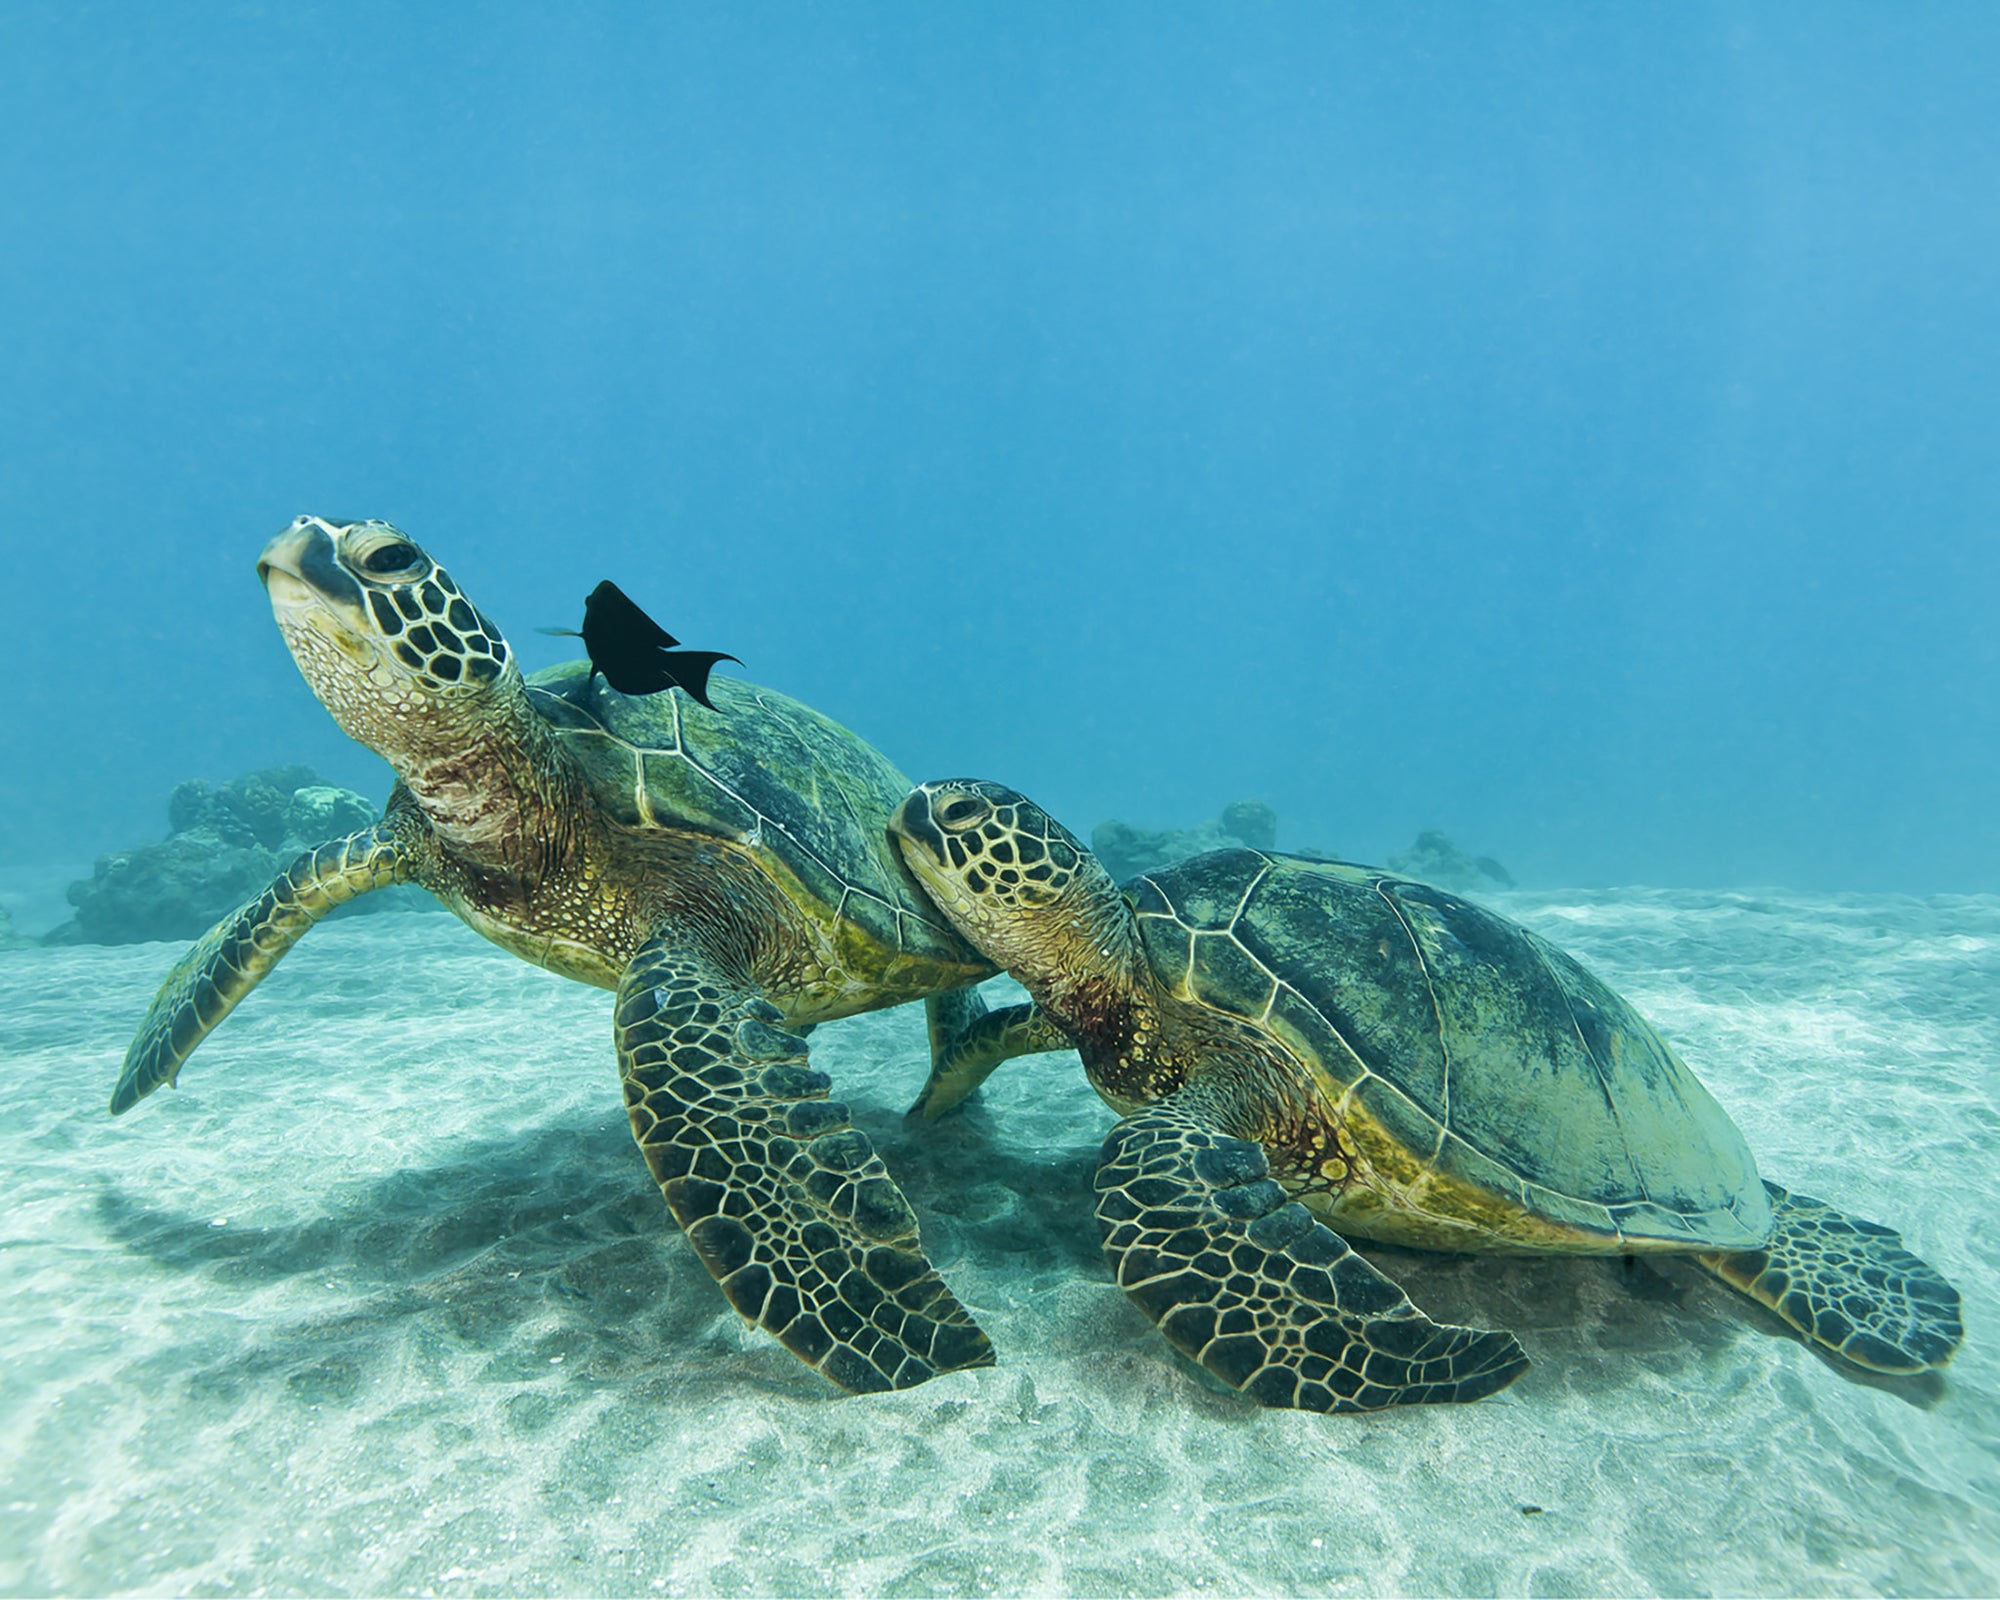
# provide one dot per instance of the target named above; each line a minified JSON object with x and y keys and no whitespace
{"x":312,"y":595}
{"x":300,"y":566}
{"x":912,"y":829}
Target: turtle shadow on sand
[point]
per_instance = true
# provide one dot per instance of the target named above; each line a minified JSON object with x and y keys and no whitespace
{"x":1594,"y":1325}
{"x":551,"y":1243}
{"x":503,"y":1261}
{"x":484,"y":1252}
{"x":415,"y":1222}
{"x":538,"y":1199}
{"x":1599,"y":1325}
{"x":998,"y":1201}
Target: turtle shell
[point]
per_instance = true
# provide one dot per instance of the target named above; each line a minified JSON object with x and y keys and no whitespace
{"x":809,"y":798}
{"x":1501,"y":1073}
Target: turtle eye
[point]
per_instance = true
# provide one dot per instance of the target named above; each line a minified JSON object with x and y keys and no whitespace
{"x":392,"y":557}
{"x":961,"y":811}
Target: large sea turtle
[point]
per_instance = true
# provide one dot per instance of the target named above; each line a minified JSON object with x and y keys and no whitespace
{"x":727,"y":872}
{"x":1305,"y":1049}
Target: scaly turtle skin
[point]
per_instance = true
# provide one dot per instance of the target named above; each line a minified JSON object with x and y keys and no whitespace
{"x":726,"y":872}
{"x":1302,"y":1050}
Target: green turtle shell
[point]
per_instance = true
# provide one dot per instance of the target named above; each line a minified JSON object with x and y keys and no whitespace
{"x":771,"y":775}
{"x":1484,"y":1056}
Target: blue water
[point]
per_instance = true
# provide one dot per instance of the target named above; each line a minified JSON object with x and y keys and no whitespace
{"x":1573,"y":430}
{"x":1572,"y":427}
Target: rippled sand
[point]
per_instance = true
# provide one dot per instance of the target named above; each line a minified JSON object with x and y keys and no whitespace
{"x":383,"y":1301}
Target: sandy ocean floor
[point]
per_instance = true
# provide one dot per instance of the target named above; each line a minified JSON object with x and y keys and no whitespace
{"x":382,"y":1300}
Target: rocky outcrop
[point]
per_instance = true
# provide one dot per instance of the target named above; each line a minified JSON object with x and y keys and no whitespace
{"x":1435,"y":859}
{"x":1127,"y":851}
{"x":226,"y":843}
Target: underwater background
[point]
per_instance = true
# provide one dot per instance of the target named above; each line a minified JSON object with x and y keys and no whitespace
{"x":1575,"y":430}
{"x":1571,"y":428}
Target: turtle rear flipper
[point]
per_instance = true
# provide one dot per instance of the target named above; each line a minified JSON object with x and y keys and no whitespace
{"x":234,"y":956}
{"x":785,"y":1202}
{"x":1249,"y":1285}
{"x":1846,"y":1284}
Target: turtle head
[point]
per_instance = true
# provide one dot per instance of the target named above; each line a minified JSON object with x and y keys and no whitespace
{"x":1014,"y":881}
{"x":402,"y":659}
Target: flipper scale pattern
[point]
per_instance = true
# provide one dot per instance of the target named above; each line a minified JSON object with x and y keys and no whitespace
{"x":1250,"y":1286}
{"x":785,"y":1201}
{"x":1848,"y":1284}
{"x":233,"y":957}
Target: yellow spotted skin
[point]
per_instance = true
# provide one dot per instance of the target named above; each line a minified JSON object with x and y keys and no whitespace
{"x":727,"y":872}
{"x":1303,"y":1050}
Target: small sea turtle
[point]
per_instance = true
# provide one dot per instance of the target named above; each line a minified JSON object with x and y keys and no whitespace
{"x":727,"y":872}
{"x":1289,"y":1040}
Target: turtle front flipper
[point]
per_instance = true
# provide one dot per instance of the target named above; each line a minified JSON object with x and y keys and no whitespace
{"x":234,"y":956}
{"x":783,"y":1200}
{"x":1848,"y":1285}
{"x":968,"y":1042}
{"x":1248,"y":1284}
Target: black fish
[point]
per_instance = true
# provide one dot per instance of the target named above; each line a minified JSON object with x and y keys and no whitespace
{"x":635,"y":654}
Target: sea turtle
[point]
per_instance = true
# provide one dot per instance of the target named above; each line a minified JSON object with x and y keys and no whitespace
{"x":727,"y":872}
{"x":1304,"y":1049}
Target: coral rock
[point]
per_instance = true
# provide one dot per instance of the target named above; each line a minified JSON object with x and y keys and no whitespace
{"x":227,"y":843}
{"x":1435,"y":859}
{"x":1127,"y":851}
